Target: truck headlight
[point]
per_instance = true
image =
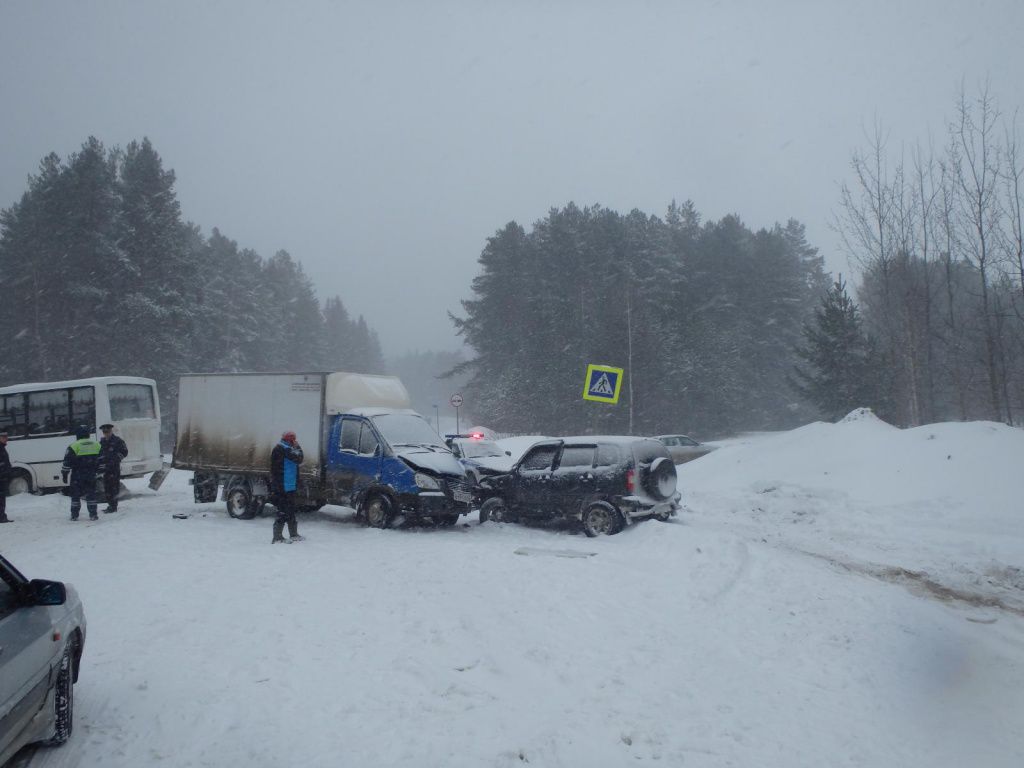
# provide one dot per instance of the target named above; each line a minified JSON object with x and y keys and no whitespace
{"x":426,"y":482}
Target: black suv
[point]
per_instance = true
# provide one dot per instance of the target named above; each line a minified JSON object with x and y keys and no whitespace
{"x":604,"y":483}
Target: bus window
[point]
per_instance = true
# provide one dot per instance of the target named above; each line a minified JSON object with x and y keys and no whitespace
{"x":131,"y":401}
{"x":48,"y":412}
{"x":83,"y":406}
{"x":13,"y":417}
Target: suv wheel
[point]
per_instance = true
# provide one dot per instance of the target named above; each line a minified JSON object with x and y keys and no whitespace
{"x":495,"y":510}
{"x":601,"y":518}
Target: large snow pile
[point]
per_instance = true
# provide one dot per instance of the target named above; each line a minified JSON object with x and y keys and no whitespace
{"x":842,"y":594}
{"x":943,"y":498}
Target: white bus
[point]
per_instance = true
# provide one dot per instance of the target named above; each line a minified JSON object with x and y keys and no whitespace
{"x":40,"y":420}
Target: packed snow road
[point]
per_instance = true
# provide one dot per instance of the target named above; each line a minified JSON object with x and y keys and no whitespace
{"x":741,"y":634}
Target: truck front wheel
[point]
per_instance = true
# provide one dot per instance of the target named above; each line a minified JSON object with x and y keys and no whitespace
{"x":379,"y":511}
{"x":239,"y":502}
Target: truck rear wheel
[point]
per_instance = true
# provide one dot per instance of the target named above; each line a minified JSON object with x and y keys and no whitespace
{"x":204,"y":487}
{"x":239,"y":503}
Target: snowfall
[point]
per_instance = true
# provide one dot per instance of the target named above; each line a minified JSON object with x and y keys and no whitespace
{"x":847,"y":594}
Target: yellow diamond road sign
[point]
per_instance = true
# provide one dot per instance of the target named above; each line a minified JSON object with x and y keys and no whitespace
{"x":603,"y":383}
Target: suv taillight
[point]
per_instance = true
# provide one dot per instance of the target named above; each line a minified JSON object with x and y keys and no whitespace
{"x":631,"y":480}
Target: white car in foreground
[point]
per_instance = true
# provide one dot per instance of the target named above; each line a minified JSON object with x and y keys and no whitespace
{"x":42,"y":634}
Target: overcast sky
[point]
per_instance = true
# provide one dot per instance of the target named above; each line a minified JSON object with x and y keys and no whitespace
{"x":382,"y":143}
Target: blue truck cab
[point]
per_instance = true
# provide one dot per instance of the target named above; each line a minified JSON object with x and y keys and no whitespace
{"x":389,"y":464}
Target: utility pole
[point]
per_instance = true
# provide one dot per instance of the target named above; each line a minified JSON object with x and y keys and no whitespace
{"x":629,"y":351}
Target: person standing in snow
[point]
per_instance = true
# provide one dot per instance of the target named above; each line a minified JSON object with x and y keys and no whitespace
{"x":5,"y":475}
{"x":112,"y":450}
{"x":284,"y":476}
{"x":82,"y":462}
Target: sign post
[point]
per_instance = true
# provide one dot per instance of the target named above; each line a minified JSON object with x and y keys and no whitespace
{"x":456,"y":402}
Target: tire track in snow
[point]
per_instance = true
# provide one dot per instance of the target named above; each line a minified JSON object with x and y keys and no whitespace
{"x":916,"y":582}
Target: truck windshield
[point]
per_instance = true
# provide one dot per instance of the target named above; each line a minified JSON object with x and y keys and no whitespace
{"x":407,"y":429}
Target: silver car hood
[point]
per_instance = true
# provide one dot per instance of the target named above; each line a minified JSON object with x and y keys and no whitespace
{"x":495,"y":463}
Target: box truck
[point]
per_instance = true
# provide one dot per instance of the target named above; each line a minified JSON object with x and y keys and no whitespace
{"x":364,"y":448}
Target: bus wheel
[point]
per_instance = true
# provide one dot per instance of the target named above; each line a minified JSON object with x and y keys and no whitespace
{"x":20,"y":482}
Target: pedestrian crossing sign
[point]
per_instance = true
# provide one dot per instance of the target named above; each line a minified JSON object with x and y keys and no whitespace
{"x":603,"y":384}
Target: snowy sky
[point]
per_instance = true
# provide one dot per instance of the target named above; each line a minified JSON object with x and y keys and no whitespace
{"x":381,"y":143}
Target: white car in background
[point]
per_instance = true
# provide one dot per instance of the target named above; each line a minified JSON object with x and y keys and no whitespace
{"x":42,"y":634}
{"x":683,"y":449}
{"x":479,"y":455}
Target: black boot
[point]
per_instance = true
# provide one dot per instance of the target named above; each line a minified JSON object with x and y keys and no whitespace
{"x":278,"y":530}
{"x":293,"y":531}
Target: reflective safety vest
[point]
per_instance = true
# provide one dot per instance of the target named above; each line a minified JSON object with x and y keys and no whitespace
{"x":82,"y":459}
{"x":86,"y":447}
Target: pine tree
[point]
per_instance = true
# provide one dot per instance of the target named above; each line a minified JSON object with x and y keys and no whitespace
{"x":152,"y":317}
{"x":842,"y":374}
{"x":293,"y":332}
{"x":82,"y":250}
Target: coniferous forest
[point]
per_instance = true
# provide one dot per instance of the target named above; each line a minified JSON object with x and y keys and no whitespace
{"x":720,"y":328}
{"x":100,"y":275}
{"x":705,"y":318}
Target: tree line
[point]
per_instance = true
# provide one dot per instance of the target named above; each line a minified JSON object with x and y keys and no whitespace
{"x":938,"y":234}
{"x":100,"y":275}
{"x":721,"y":328}
{"x":706,"y":319}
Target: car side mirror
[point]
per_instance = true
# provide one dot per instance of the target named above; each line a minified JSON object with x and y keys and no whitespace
{"x":508,"y":453}
{"x":42,"y":592}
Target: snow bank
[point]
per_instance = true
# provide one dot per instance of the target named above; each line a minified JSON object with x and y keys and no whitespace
{"x":943,"y":498}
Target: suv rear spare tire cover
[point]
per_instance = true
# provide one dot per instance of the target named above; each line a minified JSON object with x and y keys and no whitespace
{"x":659,"y":479}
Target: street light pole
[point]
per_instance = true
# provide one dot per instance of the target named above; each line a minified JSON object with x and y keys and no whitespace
{"x":437,"y":421}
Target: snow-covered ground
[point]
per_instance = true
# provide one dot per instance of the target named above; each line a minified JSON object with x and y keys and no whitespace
{"x":840,"y":595}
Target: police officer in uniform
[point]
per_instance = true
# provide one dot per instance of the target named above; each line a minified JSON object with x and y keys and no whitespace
{"x":284,"y":476}
{"x":82,"y":462}
{"x":5,"y":475}
{"x":112,"y":450}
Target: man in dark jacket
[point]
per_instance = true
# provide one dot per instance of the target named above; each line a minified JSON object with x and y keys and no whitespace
{"x":5,"y":475}
{"x":284,"y":478}
{"x":112,"y":450}
{"x":82,"y":463}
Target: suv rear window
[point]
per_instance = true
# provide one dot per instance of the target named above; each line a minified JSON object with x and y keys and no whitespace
{"x":577,"y":456}
{"x":608,"y":455}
